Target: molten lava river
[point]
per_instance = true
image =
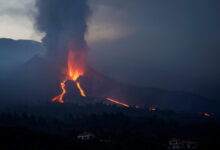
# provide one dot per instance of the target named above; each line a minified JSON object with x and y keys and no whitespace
{"x":75,"y":69}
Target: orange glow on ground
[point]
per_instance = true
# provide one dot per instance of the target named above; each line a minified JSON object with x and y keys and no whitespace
{"x":117,"y":102}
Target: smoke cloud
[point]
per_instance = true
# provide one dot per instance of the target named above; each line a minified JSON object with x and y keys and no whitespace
{"x":64,"y":23}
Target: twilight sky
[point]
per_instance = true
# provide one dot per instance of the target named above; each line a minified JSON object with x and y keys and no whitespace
{"x":173,"y":44}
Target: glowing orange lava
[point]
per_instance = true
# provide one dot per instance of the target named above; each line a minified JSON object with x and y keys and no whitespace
{"x":59,"y":98}
{"x":82,"y":93}
{"x":75,"y":69}
{"x":76,"y":65}
{"x":117,"y":102}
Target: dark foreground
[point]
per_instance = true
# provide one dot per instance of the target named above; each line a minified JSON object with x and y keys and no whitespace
{"x":115,"y":128}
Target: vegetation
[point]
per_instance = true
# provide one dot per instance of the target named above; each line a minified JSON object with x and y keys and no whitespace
{"x":117,"y":128}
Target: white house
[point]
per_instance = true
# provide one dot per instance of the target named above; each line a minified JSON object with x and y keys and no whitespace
{"x":85,"y":136}
{"x":176,"y":144}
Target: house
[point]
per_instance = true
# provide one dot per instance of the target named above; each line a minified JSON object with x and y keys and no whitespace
{"x":85,"y":136}
{"x":206,"y":114}
{"x":189,"y":145}
{"x":176,"y":144}
{"x":153,"y":109}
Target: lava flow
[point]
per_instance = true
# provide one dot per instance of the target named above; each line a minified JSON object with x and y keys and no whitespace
{"x":59,"y":98}
{"x":117,"y":102}
{"x":75,"y":69}
{"x":82,"y":93}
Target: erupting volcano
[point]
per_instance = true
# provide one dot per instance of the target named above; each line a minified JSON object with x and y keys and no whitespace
{"x":75,"y":69}
{"x":65,"y":25}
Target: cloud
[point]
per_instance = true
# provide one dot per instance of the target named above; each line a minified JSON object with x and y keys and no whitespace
{"x":102,"y":31}
{"x":64,"y":24}
{"x":173,"y":44}
{"x":105,"y":25}
{"x":17,"y":8}
{"x":17,"y":20}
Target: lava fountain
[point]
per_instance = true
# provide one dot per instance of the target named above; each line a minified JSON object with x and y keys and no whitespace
{"x":65,"y":25}
{"x":75,"y":68}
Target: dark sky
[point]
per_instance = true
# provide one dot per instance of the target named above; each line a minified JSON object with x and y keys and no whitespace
{"x":173,"y":44}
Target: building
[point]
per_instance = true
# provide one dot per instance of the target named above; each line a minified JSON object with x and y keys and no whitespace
{"x":152,"y":109}
{"x":85,"y":136}
{"x":189,"y":145}
{"x":176,"y":144}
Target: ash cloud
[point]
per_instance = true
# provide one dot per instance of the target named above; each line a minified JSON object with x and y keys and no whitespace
{"x":63,"y":22}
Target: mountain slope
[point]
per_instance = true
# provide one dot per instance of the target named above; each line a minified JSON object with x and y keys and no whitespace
{"x":39,"y":80}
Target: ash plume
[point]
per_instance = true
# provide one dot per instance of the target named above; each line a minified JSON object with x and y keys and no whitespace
{"x":64,"y":22}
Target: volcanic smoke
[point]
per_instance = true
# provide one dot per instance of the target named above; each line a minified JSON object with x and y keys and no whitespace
{"x":64,"y":23}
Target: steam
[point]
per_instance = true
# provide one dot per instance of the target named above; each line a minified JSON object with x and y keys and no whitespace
{"x":64,"y":23}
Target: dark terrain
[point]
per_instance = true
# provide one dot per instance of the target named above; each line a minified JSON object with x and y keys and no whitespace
{"x":28,"y":120}
{"x":55,"y":126}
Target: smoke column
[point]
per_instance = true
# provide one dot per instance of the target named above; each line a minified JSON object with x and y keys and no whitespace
{"x":65,"y":23}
